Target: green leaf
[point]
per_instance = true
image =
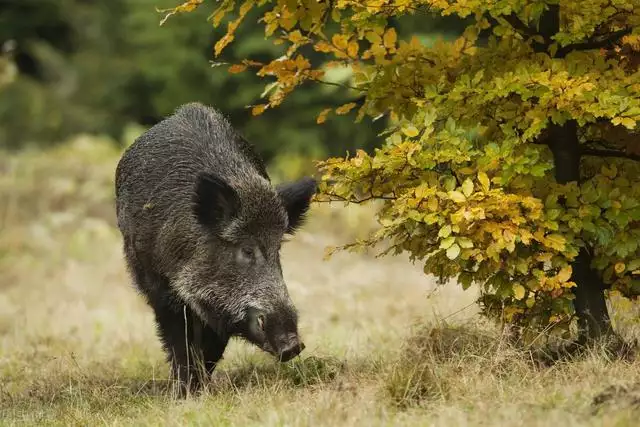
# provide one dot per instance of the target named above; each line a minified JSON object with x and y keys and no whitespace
{"x":415,"y":215}
{"x":465,"y":279}
{"x":538,"y":170}
{"x":633,"y":264}
{"x":449,"y":183}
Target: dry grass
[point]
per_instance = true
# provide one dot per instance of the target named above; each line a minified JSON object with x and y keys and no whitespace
{"x":77,"y":344}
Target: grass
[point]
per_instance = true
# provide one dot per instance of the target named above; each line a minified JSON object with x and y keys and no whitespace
{"x":78,"y":345}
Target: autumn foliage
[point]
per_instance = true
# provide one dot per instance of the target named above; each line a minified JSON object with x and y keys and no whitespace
{"x":512,"y":154}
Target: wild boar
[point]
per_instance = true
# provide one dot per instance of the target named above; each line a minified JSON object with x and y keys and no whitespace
{"x":202,"y":226}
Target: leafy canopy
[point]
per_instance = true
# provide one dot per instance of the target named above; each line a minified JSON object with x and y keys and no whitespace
{"x":465,"y":174}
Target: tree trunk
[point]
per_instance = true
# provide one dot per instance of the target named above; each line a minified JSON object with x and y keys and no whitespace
{"x":590,"y":304}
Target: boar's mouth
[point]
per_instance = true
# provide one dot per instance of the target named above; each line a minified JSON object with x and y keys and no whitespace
{"x":264,"y":332}
{"x":291,"y":351}
{"x":288,"y":352}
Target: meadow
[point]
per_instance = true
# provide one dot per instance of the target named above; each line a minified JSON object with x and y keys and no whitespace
{"x":385,"y":344}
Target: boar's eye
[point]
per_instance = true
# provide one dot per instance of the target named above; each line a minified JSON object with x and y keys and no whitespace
{"x":246,"y":254}
{"x":261,"y":322}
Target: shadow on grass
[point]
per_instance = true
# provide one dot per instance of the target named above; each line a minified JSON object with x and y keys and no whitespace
{"x":609,"y":347}
{"x":40,"y":393}
{"x":618,"y":398}
{"x":73,"y":383}
{"x":308,"y":372}
{"x":441,"y":362}
{"x":62,"y":394}
{"x":435,"y":361}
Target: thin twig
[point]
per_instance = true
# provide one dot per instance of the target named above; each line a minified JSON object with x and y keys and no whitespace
{"x":609,"y":153}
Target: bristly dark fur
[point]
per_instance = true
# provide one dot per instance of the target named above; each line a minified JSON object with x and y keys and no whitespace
{"x":202,"y":227}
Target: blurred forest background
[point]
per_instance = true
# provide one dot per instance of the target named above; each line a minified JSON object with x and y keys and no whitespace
{"x":106,"y":67}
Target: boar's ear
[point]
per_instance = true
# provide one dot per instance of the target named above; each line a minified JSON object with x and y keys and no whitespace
{"x":296,"y":197}
{"x":215,"y":200}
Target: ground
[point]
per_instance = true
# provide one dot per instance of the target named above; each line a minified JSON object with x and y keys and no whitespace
{"x":384,"y":347}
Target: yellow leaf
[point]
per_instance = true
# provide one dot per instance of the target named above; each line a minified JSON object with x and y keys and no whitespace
{"x":533,"y":284}
{"x":446,"y":243}
{"x":619,"y":267}
{"x":467,"y":187}
{"x":555,"y":241}
{"x":518,"y":291}
{"x":344,"y":109}
{"x":390,"y":38}
{"x":296,"y":36}
{"x":237,"y":68}
{"x":322,"y":117}
{"x":628,"y":122}
{"x":445,"y":231}
{"x":328,"y":252}
{"x":187,"y":6}
{"x":432,"y":204}
{"x":421,"y":190}
{"x":373,"y":37}
{"x":554,"y":318}
{"x":457,"y":196}
{"x":484,"y":181}
{"x":258,"y":109}
{"x":453,"y":251}
{"x":222,"y":43}
{"x":323,"y":46}
{"x":410,"y":131}
{"x":465,"y":171}
{"x":352,"y":49}
{"x":465,"y":242}
{"x":565,"y":273}
{"x":340,"y":41}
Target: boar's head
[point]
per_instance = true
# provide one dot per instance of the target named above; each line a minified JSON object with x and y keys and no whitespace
{"x":240,"y":287}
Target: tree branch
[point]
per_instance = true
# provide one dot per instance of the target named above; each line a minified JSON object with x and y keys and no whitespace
{"x":551,"y":26}
{"x":518,"y":25}
{"x":609,"y":153}
{"x":594,"y":43}
{"x":337,"y":198}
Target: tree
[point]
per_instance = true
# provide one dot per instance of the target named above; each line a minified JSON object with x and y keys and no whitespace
{"x":511,"y":160}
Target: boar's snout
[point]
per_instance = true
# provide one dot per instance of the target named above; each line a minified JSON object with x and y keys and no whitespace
{"x":291,"y":348}
{"x":276,"y":333}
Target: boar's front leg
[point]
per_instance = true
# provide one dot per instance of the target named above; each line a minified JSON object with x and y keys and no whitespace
{"x":208,"y":345}
{"x":192,"y":348}
{"x":212,"y":346}
{"x":171,"y":328}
